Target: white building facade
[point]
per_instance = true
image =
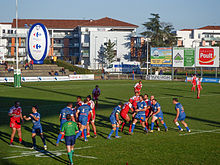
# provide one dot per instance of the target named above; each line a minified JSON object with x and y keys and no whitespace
{"x":205,"y":36}
{"x":77,"y":41}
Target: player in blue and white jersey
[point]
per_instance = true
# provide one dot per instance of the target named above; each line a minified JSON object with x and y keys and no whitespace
{"x":180,"y":115}
{"x":115,"y":121}
{"x":82,"y":115}
{"x":157,"y":114}
{"x":140,"y":114}
{"x":37,"y":128}
{"x":62,"y":117}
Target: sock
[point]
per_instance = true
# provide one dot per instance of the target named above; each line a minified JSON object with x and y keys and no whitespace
{"x":187,"y":128}
{"x":132,"y":128}
{"x":78,"y":134}
{"x":85,"y":130}
{"x":34,"y":141}
{"x":146,"y":129}
{"x":72,"y":152}
{"x":62,"y":136}
{"x":116,"y":132}
{"x":192,"y":89}
{"x":59,"y":138}
{"x":11,"y":141}
{"x":112,"y":131}
{"x":177,"y":124}
{"x":122,"y":126}
{"x":94,"y":133}
{"x":164,"y":125}
{"x":43,"y":139}
{"x":152,"y":126}
{"x":70,"y":156}
{"x":147,"y":125}
{"x":82,"y":136}
{"x":20,"y":139}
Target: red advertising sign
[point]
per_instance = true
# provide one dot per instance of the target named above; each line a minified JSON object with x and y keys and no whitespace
{"x":206,"y":56}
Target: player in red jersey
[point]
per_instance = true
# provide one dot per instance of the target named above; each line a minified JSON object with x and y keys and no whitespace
{"x":16,"y":118}
{"x":135,"y":99}
{"x":95,"y":95}
{"x":193,"y":81}
{"x":124,"y":114}
{"x":137,"y":87}
{"x":91,"y":120}
{"x":199,"y":87}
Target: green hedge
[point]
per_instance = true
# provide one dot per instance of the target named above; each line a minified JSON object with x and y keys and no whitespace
{"x":69,"y":66}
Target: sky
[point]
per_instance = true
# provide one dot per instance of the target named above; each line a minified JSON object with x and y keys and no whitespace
{"x":181,"y":13}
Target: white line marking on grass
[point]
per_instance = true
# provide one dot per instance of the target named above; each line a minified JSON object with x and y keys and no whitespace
{"x":193,"y":133}
{"x":20,"y":147}
{"x":44,"y":154}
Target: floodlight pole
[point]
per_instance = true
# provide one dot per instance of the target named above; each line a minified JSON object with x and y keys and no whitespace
{"x":17,"y":37}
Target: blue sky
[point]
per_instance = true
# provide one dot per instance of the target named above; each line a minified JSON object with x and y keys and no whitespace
{"x":181,"y":13}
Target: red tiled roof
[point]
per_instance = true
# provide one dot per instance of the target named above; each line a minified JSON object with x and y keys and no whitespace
{"x":50,"y":23}
{"x":186,"y":30}
{"x":109,"y":22}
{"x":210,"y":28}
{"x":70,"y":24}
{"x":6,"y":23}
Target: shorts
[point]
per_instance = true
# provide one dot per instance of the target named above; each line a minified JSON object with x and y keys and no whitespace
{"x":37,"y":130}
{"x":147,"y":113}
{"x":83,"y":120}
{"x":140,"y":117}
{"x":159,"y":116}
{"x":70,"y":140}
{"x":89,"y":116}
{"x":14,"y":124}
{"x":113,"y":120}
{"x":124,"y":115}
{"x":181,"y":118}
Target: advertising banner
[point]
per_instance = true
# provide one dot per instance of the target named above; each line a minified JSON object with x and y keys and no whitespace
{"x":205,"y":80}
{"x":207,"y":57}
{"x":161,"y":57}
{"x":159,"y":77}
{"x":183,"y":57}
{"x":38,"y":43}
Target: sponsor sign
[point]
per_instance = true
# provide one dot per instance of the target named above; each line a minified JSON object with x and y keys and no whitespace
{"x":205,"y":80}
{"x":183,"y":57}
{"x":38,"y":43}
{"x":207,"y":57}
{"x":82,"y":77}
{"x":161,"y":57}
{"x":159,"y":77}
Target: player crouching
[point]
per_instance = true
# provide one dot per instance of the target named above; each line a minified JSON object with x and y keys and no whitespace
{"x":180,"y":115}
{"x":114,"y":118}
{"x":37,"y":128}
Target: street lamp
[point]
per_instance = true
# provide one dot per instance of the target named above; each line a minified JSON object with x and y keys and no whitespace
{"x":95,"y":51}
{"x":147,"y":40}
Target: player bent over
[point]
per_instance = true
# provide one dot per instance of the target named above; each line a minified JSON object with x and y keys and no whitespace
{"x":157,"y":114}
{"x":69,"y":128}
{"x":124,"y":114}
{"x":37,"y":128}
{"x":180,"y":115}
{"x":82,"y":115}
{"x":114,"y":118}
{"x":141,"y":108}
{"x":62,"y":117}
{"x":15,"y":114}
{"x":199,"y":87}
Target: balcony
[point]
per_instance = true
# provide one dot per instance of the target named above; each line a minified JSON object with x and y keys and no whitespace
{"x":84,"y":54}
{"x":211,"y":38}
{"x":62,"y":36}
{"x":85,"y":44}
{"x":83,"y":33}
{"x":20,"y":35}
{"x":76,"y":35}
{"x":58,"y":45}
{"x":75,"y":44}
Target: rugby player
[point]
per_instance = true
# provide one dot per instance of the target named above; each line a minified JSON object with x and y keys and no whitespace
{"x":37,"y":128}
{"x":82,"y":115}
{"x":157,"y":114}
{"x":91,"y":120}
{"x":140,"y":114}
{"x":199,"y":87}
{"x":115,"y":121}
{"x":135,"y":99}
{"x":62,"y":117}
{"x":137,"y":87}
{"x":95,"y":95}
{"x":15,"y":114}
{"x":193,"y":81}
{"x":180,"y":115}
{"x":124,"y":114}
{"x":69,"y":128}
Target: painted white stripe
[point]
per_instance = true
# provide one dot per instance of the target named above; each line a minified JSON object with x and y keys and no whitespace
{"x":89,"y":157}
{"x":193,"y":133}
{"x":21,"y":147}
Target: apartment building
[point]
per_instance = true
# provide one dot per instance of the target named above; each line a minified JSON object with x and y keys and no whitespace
{"x":77,"y":41}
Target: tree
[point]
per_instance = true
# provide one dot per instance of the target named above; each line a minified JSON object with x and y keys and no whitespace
{"x":160,"y":33}
{"x":109,"y":51}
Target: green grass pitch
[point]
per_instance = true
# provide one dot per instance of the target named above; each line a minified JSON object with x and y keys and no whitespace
{"x":201,"y":146}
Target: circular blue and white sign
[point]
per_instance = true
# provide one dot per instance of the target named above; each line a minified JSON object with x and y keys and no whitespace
{"x":38,"y":43}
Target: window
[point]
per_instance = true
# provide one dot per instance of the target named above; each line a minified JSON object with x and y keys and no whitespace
{"x":3,"y":31}
{"x":9,"y":31}
{"x":199,"y":35}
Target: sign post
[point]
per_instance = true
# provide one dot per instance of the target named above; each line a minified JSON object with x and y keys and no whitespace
{"x":17,"y":78}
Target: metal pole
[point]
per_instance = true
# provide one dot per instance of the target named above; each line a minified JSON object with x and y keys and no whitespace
{"x":95,"y":52}
{"x":216,"y":72}
{"x":172,"y":73}
{"x":147,"y":57}
{"x":201,"y":72}
{"x":17,"y":36}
